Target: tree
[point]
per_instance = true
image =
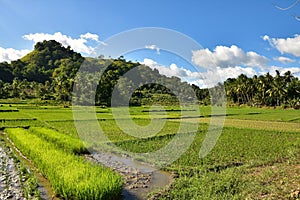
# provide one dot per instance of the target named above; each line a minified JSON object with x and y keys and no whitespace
{"x":277,"y":90}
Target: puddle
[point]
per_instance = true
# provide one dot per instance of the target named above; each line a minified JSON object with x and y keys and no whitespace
{"x":140,"y":178}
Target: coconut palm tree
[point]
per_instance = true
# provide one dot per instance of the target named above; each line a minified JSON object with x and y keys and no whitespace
{"x":278,"y":89}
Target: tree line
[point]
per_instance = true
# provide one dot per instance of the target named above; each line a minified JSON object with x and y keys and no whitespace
{"x":264,"y":90}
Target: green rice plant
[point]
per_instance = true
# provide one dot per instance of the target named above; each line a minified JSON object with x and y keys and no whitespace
{"x":235,"y":147}
{"x":70,"y":176}
{"x":14,"y":123}
{"x":48,"y":113}
{"x":66,"y":142}
{"x":110,"y":128}
{"x":14,"y":115}
{"x":65,"y":127}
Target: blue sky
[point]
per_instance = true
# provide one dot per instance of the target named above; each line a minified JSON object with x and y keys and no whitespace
{"x":238,"y":35}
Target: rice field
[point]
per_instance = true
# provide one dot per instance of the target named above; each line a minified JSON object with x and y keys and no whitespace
{"x":256,"y":157}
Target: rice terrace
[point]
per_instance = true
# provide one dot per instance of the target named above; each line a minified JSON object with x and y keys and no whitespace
{"x":135,"y":100}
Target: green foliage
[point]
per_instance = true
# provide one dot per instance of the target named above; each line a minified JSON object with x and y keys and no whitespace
{"x":44,"y":72}
{"x":70,"y":176}
{"x":130,"y":83}
{"x":5,"y":73}
{"x":48,"y":56}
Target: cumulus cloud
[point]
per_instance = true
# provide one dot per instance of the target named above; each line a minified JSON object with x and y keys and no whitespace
{"x":212,"y":77}
{"x":225,"y":57}
{"x":9,"y":54}
{"x":285,"y":45}
{"x":284,"y":60}
{"x":153,"y":47}
{"x":203,"y":79}
{"x":77,"y":44}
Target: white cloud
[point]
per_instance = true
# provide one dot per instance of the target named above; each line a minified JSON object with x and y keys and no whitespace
{"x":172,"y":70}
{"x":153,"y":47}
{"x":285,"y":45}
{"x":224,"y":57}
{"x":164,"y":70}
{"x":284,"y":60}
{"x":212,"y":77}
{"x":10,"y":54}
{"x":91,"y":36}
{"x":233,"y":72}
{"x":203,"y":79}
{"x":78,"y":44}
{"x":266,"y":38}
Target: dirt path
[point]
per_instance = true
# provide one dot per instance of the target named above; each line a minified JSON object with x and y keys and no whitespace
{"x":140,"y":178}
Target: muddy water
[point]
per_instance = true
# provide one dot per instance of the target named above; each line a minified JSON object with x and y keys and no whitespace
{"x":140,"y":178}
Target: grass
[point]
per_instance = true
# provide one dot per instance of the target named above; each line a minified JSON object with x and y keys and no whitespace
{"x":63,"y":141}
{"x":234,"y":147}
{"x":70,"y":176}
{"x":256,"y":157}
{"x":111,"y":129}
{"x":245,"y":164}
{"x":15,"y":123}
{"x":266,"y":114}
{"x":227,"y":184}
{"x":13,"y":115}
{"x":265,"y":182}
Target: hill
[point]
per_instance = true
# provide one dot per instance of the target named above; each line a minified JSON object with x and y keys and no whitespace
{"x":49,"y":71}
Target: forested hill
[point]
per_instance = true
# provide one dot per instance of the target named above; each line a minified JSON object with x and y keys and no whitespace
{"x":48,"y":73}
{"x":41,"y":64}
